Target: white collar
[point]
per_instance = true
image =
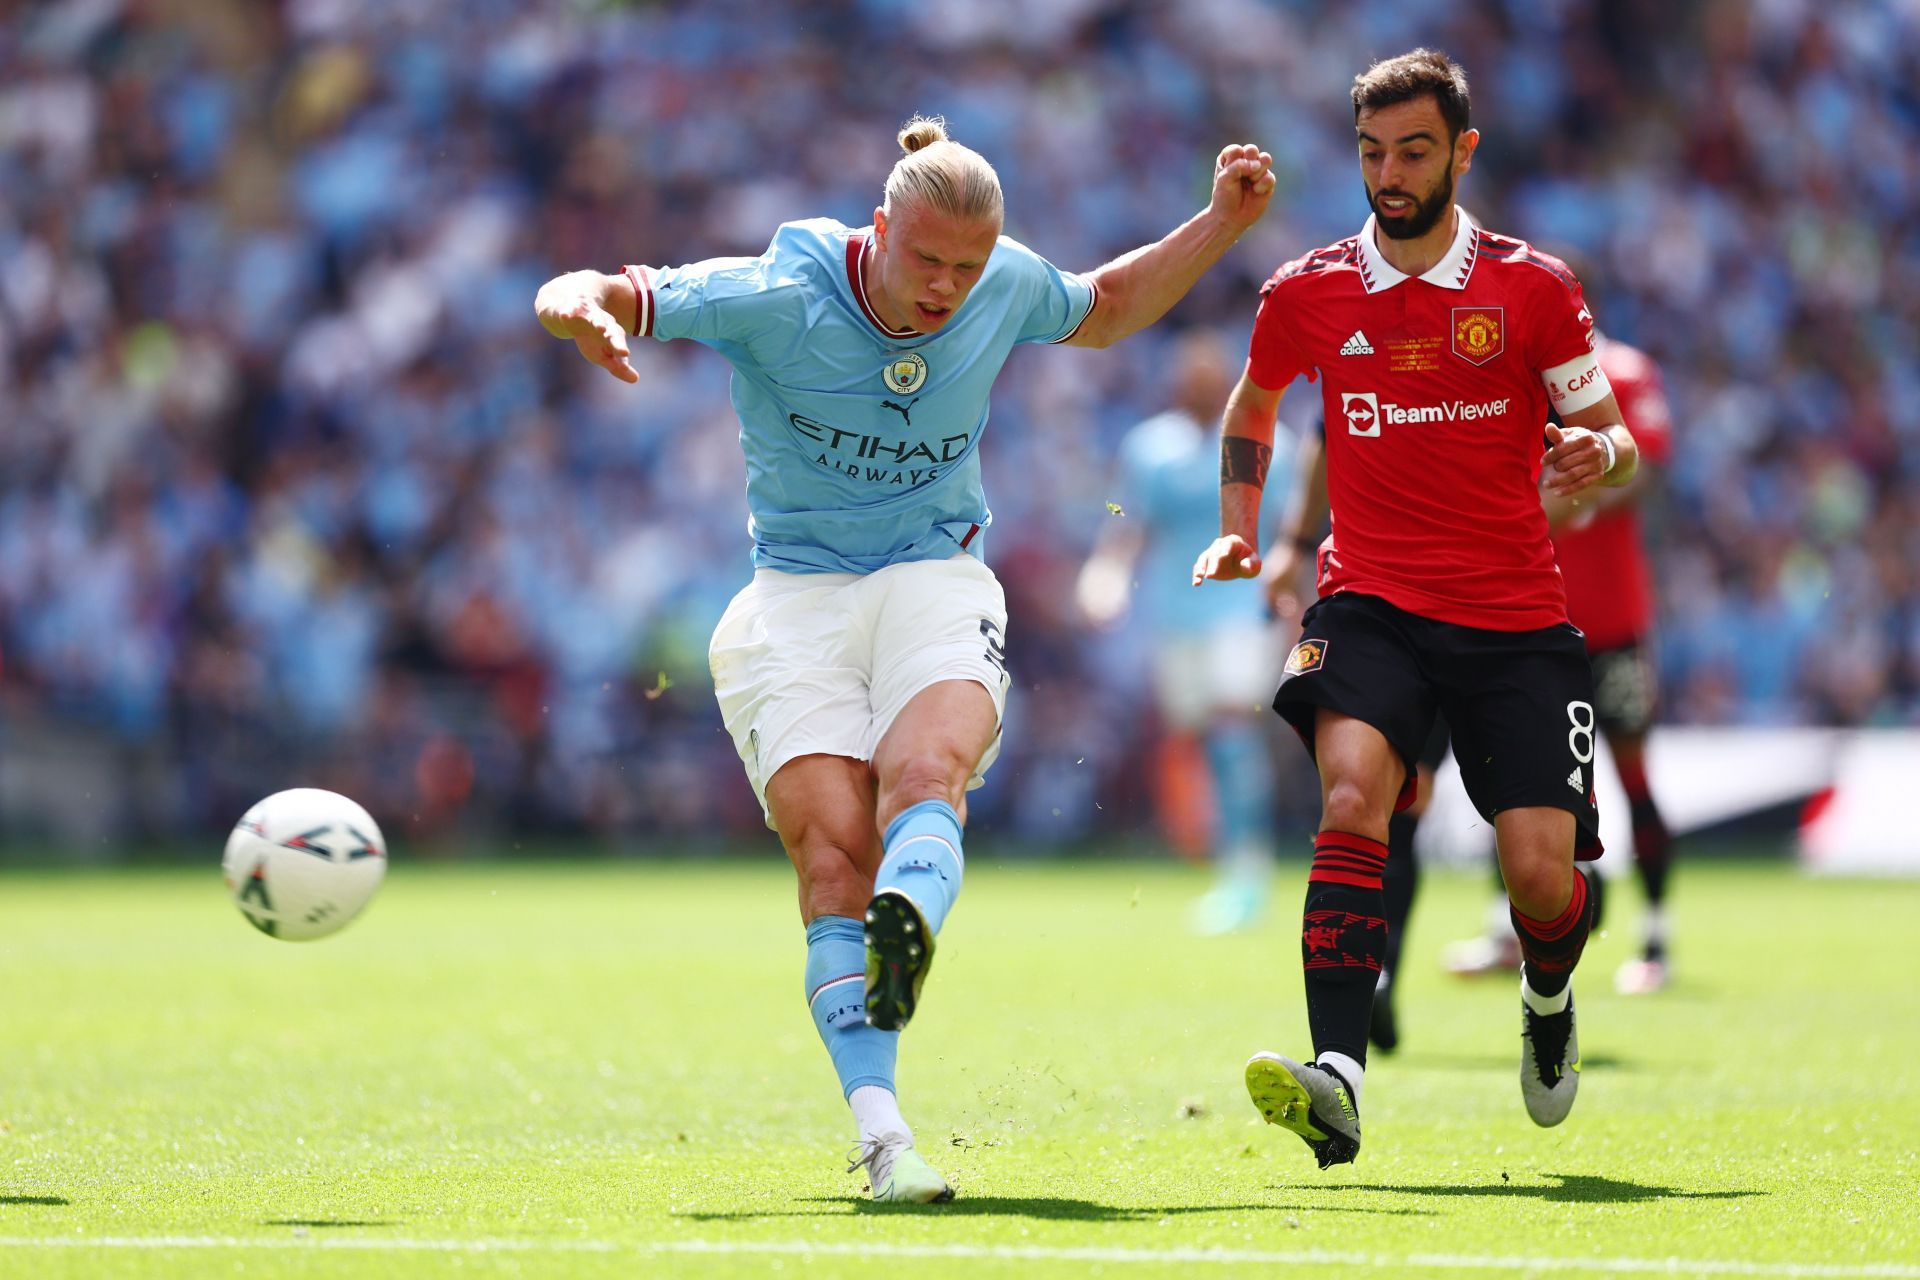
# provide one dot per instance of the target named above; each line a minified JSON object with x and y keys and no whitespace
{"x":1450,"y":272}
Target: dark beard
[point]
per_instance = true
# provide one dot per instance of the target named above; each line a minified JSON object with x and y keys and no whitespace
{"x":1425,"y":216}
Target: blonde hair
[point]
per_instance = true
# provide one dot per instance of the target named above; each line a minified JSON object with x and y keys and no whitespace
{"x":938,"y":173}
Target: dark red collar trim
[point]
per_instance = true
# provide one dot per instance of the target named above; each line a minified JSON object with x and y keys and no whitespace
{"x":857,"y":279}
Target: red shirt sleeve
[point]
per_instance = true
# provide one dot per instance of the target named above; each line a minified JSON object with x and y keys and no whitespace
{"x":1643,"y":405}
{"x":1274,"y":360}
{"x":1568,"y":325}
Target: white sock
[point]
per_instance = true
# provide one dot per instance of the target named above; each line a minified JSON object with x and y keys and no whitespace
{"x":1347,"y":1069}
{"x":877,"y":1112}
{"x":1654,"y":926}
{"x":1544,"y":1005}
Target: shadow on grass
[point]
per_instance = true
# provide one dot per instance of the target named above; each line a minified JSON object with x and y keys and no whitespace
{"x":33,"y":1200}
{"x":327,"y":1222}
{"x":1042,"y":1207}
{"x":1572,"y":1187}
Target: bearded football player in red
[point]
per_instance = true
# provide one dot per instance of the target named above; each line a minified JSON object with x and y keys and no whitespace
{"x":1439,"y":348}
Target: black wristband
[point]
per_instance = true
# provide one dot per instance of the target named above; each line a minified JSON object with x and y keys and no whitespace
{"x":1244,"y":461}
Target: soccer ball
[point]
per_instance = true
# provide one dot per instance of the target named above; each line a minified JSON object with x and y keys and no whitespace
{"x":302,"y":863}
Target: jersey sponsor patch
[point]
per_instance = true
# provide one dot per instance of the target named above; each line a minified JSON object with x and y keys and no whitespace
{"x":1362,"y":412}
{"x":907,"y":462}
{"x":1308,"y":655}
{"x":1365,"y":411}
{"x":1478,"y":333}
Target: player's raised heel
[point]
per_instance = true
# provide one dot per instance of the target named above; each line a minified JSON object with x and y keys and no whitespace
{"x":1308,"y":1100}
{"x":899,"y":953}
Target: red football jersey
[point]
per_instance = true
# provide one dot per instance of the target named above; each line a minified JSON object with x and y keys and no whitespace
{"x":1609,"y":582}
{"x":1436,"y":391}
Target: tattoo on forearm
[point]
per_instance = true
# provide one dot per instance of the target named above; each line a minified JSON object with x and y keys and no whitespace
{"x":1244,"y":461}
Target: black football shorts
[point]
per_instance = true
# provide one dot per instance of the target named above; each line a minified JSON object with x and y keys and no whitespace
{"x":1625,"y":692}
{"x":1519,"y":703}
{"x":1433,"y":752}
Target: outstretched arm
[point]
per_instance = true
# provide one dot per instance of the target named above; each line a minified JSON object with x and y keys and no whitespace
{"x":596,"y":311}
{"x":1138,"y":288}
{"x":1105,"y":584}
{"x":1246,"y":451}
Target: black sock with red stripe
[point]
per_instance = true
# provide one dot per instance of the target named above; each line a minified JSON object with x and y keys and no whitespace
{"x":1552,"y":948}
{"x":1343,"y":932}
{"x":1652,"y":842}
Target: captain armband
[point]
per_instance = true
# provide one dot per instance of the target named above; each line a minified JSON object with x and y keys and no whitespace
{"x":1577,"y":384}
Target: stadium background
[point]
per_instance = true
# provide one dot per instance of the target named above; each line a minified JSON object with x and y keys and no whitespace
{"x":294,"y":490}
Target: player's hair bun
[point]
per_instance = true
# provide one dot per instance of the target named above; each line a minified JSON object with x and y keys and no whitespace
{"x":938,"y":173}
{"x":922,"y":131}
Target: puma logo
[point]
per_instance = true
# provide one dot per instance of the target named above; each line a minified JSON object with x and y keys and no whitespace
{"x":904,"y":410}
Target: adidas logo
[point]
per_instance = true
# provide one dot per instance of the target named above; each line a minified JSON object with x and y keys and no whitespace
{"x":1357,"y":345}
{"x":1573,"y":780}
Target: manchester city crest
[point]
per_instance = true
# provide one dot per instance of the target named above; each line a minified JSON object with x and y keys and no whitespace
{"x":905,"y":373}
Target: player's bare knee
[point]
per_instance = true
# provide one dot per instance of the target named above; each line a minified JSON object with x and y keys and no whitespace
{"x":832,"y":881}
{"x":1349,"y":807}
{"x":928,"y":776}
{"x":1539,"y":884}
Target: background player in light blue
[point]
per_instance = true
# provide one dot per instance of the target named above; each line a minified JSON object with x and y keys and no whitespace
{"x":862,"y":672}
{"x":1210,"y":676}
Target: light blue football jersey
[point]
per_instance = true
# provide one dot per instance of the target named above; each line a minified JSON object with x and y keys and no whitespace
{"x":1170,"y":484}
{"x":862,"y":444}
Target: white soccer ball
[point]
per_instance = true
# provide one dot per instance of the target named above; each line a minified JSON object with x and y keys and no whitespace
{"x":302,"y":863}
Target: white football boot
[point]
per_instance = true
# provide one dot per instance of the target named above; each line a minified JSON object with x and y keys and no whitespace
{"x":897,"y":1172}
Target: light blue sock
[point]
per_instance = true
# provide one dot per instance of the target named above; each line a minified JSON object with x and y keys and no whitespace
{"x":837,"y":997}
{"x":923,"y":859}
{"x":1242,"y":784}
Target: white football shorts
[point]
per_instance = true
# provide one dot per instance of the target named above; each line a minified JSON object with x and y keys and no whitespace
{"x":821,"y":663}
{"x":1228,"y":669}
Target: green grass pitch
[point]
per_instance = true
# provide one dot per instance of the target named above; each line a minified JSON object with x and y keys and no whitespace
{"x":607,"y":1069}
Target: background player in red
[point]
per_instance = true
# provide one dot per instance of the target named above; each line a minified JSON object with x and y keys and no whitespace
{"x":1439,"y":348}
{"x":1603,"y":558}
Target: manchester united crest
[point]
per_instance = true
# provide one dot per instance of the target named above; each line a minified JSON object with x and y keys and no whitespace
{"x":904,"y":373}
{"x":1307,"y":656}
{"x":1477,"y":333}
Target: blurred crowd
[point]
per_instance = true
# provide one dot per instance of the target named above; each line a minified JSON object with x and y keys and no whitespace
{"x":293,"y":490}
